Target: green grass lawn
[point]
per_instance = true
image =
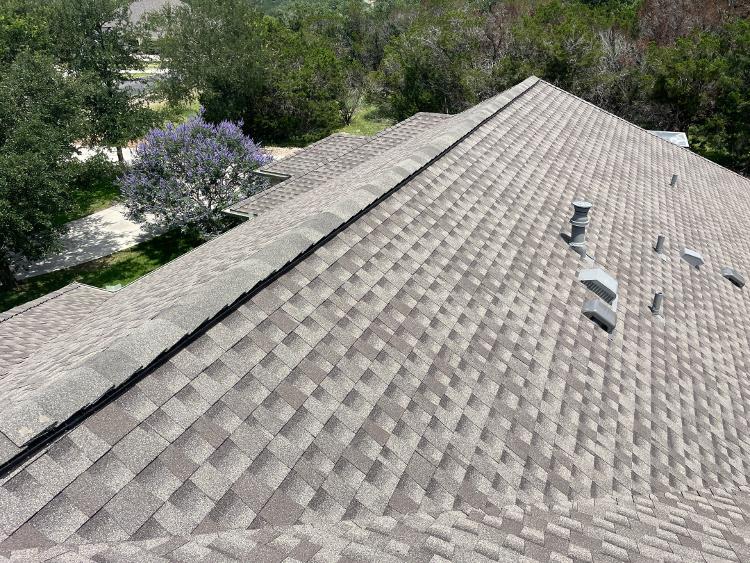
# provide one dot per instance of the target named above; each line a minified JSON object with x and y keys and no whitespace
{"x":366,"y":121}
{"x":176,"y":114}
{"x":119,"y":268}
{"x":148,"y":70}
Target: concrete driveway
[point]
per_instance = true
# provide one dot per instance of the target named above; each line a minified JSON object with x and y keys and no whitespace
{"x":92,"y":237}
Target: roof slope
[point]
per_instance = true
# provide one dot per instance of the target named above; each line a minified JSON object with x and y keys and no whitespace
{"x":428,"y":358}
{"x":327,"y":159}
{"x":665,"y":527}
{"x":26,"y":328}
{"x":314,"y":155}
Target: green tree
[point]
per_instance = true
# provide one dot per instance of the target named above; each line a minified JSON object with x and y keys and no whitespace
{"x":284,"y":84}
{"x":436,"y":65}
{"x":39,"y":120}
{"x":23,"y":26}
{"x":702,"y":82}
{"x":96,"y":41}
{"x":557,"y":42}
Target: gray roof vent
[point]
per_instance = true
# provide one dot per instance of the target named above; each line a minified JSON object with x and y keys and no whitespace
{"x":601,"y":313}
{"x":601,"y":283}
{"x":659,"y":248}
{"x":733,"y":276}
{"x":692,"y":257}
{"x":657,"y":304}
{"x":579,"y":222}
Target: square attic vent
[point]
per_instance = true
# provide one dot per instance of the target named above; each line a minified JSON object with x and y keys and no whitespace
{"x":601,"y":283}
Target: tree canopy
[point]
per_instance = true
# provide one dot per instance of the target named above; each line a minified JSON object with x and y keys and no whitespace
{"x":40,"y":118}
{"x":96,"y":40}
{"x":284,"y":85}
{"x":295,"y":70}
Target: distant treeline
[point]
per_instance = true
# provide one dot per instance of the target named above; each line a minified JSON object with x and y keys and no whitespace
{"x":299,"y":73}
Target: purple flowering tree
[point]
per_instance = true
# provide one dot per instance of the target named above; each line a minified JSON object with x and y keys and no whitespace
{"x":186,"y":175}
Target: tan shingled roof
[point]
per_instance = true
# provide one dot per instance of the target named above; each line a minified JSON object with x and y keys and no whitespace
{"x":323,"y":161}
{"x":417,"y":379}
{"x":26,"y":328}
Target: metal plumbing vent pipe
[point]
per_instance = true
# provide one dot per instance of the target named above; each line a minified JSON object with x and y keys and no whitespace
{"x":673,"y":183}
{"x":658,"y":302}
{"x":579,"y":222}
{"x":659,"y":248}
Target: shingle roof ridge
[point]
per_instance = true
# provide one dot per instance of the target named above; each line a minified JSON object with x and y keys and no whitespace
{"x":433,"y":113}
{"x":364,"y":138}
{"x":48,"y":411}
{"x":639,"y":128}
{"x":20,"y":309}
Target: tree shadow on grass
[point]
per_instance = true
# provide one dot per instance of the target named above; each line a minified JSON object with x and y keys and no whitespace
{"x":129,"y":265}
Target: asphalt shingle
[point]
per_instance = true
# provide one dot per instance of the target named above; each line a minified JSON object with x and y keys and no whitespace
{"x":323,"y":161}
{"x":26,"y":328}
{"x":424,"y":384}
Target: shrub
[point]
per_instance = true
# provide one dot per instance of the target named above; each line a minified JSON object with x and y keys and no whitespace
{"x":186,"y":175}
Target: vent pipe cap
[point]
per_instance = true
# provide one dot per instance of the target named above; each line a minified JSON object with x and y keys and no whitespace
{"x":601,"y":314}
{"x":733,"y":276}
{"x":580,"y":213}
{"x":693,"y":257}
{"x":673,"y":183}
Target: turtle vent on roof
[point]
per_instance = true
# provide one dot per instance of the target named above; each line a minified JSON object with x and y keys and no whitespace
{"x":733,"y":276}
{"x":692,"y":257}
{"x":601,"y":283}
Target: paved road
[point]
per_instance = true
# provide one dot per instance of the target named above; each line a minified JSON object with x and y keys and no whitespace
{"x":92,"y":237}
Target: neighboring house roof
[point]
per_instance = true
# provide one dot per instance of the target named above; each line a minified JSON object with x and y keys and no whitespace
{"x":26,"y":328}
{"x":141,"y":8}
{"x":323,"y":161}
{"x":394,"y":363}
